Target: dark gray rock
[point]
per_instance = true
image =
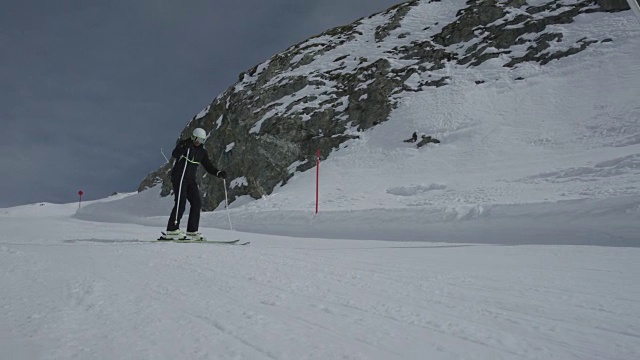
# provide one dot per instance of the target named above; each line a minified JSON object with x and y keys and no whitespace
{"x":427,"y":140}
{"x":614,"y":5}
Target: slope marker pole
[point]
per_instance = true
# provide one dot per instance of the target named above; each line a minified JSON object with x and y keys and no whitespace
{"x":317,"y":178}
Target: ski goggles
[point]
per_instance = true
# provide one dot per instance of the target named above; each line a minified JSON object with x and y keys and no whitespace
{"x":198,"y":139}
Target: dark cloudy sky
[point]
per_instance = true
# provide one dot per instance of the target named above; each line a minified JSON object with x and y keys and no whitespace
{"x":91,"y":89}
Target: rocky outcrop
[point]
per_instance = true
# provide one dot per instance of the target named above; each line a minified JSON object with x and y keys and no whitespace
{"x":323,"y":92}
{"x":427,"y":140}
{"x":614,"y":5}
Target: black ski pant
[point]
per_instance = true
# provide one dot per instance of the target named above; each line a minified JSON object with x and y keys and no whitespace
{"x":189,"y":192}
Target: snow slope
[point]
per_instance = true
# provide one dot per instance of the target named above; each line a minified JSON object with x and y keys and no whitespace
{"x":79,"y":289}
{"x":517,"y":237}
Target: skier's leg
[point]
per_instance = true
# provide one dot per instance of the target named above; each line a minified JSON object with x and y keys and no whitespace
{"x":173,"y":225}
{"x":195,"y":203}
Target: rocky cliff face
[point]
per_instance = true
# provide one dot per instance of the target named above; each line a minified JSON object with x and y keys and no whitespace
{"x":322,"y":92}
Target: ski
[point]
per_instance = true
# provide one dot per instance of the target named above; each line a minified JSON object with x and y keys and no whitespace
{"x":227,"y":242}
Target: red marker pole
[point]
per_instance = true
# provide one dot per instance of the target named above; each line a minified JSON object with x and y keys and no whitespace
{"x":317,"y":178}
{"x":80,"y":202}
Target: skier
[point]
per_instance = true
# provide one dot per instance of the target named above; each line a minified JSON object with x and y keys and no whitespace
{"x":188,"y":154}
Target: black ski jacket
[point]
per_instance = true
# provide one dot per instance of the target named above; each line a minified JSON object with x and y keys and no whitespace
{"x":187,"y":153}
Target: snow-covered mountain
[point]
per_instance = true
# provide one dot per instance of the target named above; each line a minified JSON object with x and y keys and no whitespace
{"x":535,"y":107}
{"x":438,"y":68}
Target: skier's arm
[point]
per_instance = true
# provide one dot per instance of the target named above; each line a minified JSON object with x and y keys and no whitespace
{"x":208,"y":165}
{"x":180,"y":149}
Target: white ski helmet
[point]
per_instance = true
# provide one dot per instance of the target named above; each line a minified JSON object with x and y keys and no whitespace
{"x":200,"y":135}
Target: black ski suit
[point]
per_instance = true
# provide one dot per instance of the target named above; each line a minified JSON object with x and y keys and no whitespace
{"x":183,"y":177}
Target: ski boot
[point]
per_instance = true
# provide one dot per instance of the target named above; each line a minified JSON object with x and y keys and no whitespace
{"x":195,"y":236}
{"x":175,"y":235}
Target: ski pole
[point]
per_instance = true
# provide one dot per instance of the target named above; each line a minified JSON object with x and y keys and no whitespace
{"x":165,"y":156}
{"x":226,"y":203}
{"x":186,"y":162}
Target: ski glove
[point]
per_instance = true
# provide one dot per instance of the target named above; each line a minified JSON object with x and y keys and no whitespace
{"x":221,"y":174}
